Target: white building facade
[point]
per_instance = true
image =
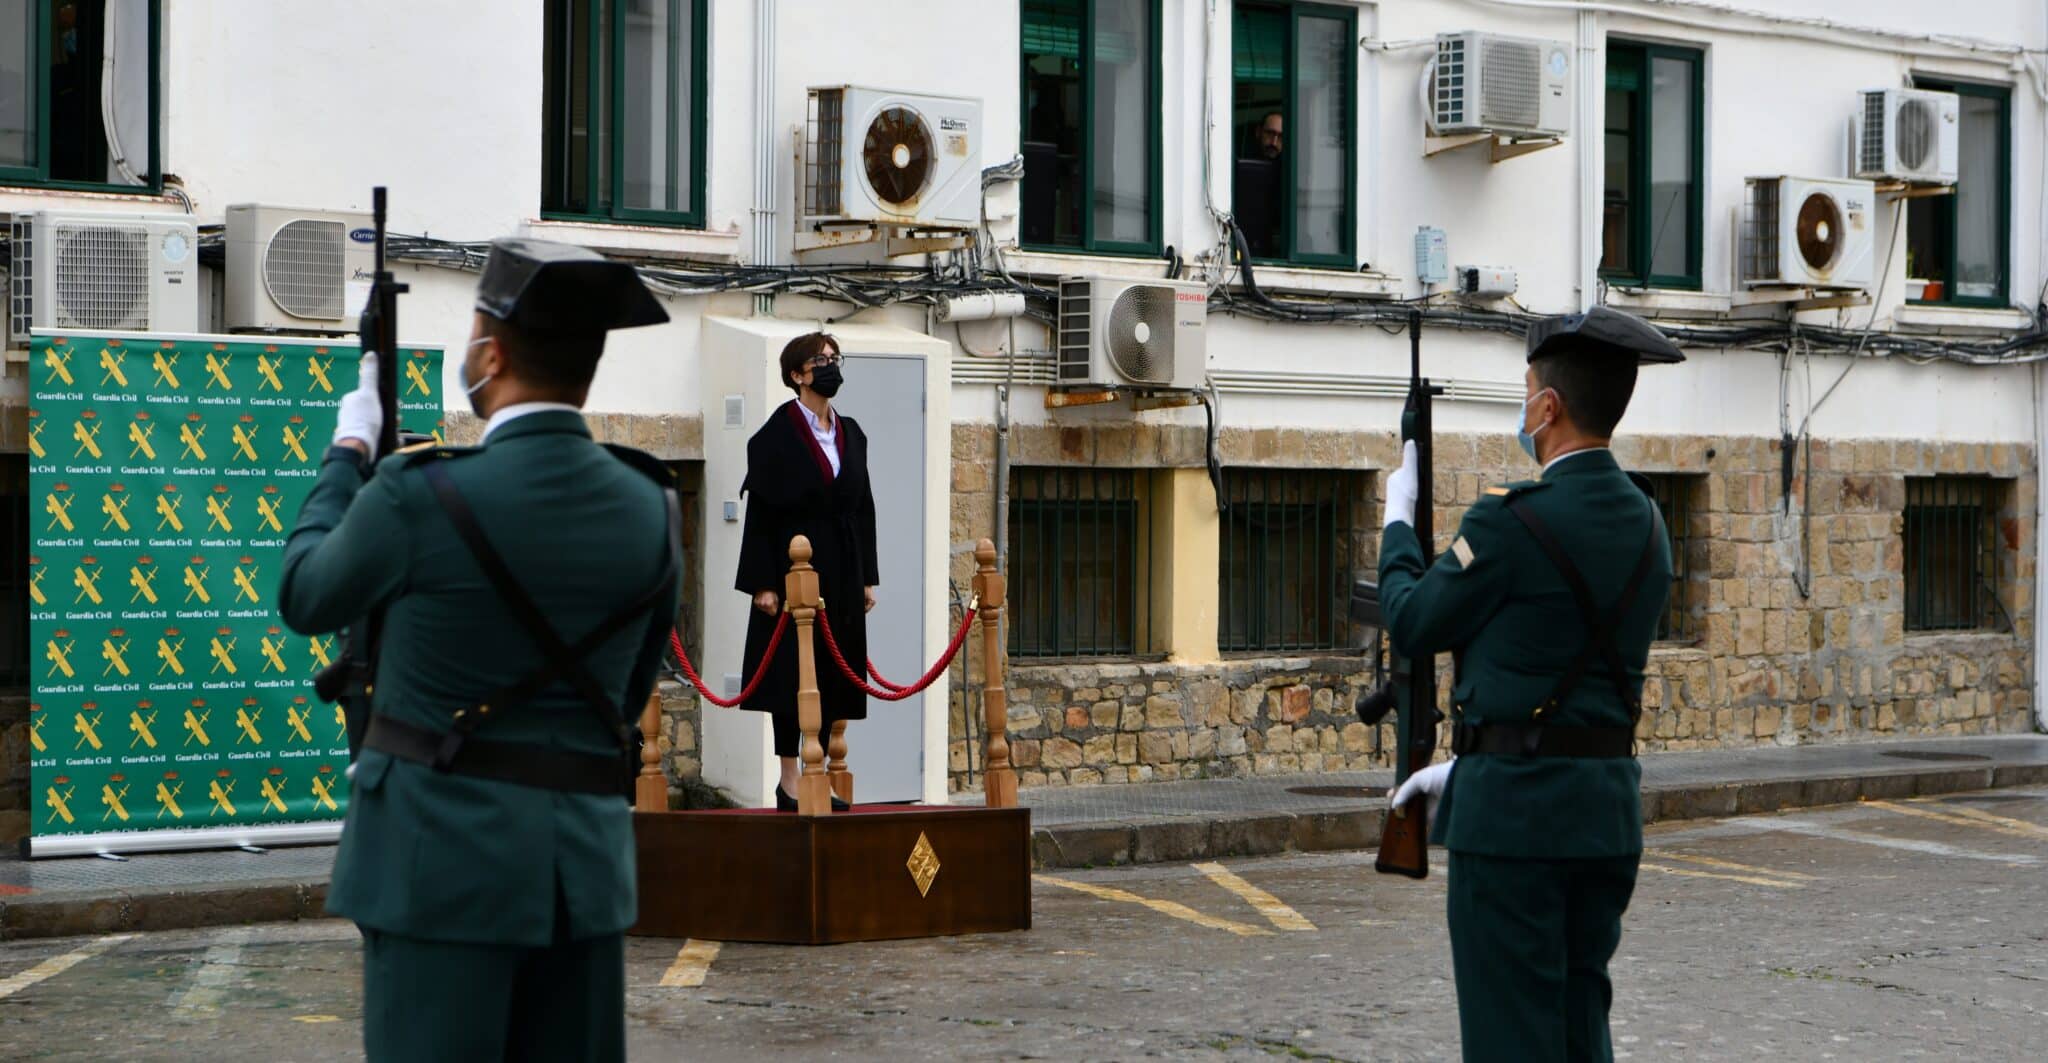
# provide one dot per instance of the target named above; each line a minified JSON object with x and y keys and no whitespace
{"x":1850,"y":470}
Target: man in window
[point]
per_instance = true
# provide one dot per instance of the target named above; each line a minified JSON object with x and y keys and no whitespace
{"x":1550,"y":594}
{"x":1258,"y":192}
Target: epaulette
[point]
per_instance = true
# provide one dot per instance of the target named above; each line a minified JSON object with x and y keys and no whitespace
{"x":419,"y":452}
{"x":1508,"y":491}
{"x":645,"y":464}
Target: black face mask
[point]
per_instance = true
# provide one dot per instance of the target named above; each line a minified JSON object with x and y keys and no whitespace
{"x":825,"y":380}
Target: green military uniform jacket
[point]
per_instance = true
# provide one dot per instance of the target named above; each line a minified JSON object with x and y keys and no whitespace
{"x":447,"y":857}
{"x":1499,"y":603}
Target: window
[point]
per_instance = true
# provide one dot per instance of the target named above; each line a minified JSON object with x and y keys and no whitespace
{"x":1650,"y":227}
{"x":1091,"y":125}
{"x":1290,"y":547}
{"x":1957,"y":244}
{"x":623,"y":116}
{"x":1078,"y":558}
{"x":1951,"y":553}
{"x":1293,"y":102}
{"x":1676,"y":495}
{"x":15,"y":576}
{"x":78,"y":99}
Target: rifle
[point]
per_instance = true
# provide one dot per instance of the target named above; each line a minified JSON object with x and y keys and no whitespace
{"x":347,"y":681}
{"x":1404,"y":843}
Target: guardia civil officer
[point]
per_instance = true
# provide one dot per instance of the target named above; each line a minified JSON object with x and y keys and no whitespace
{"x":528,"y":585}
{"x":1550,"y":595}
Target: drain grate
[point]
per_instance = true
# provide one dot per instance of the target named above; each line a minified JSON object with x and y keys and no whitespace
{"x":1921,"y":754}
{"x":1339,"y":791}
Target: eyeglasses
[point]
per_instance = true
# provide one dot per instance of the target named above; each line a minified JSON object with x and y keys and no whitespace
{"x":823,"y":360}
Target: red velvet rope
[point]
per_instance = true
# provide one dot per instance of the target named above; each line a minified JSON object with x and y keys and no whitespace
{"x":894,"y":692}
{"x":675,"y":643}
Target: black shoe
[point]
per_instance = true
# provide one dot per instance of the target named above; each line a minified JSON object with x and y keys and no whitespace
{"x":783,"y":802}
{"x":838,"y":805}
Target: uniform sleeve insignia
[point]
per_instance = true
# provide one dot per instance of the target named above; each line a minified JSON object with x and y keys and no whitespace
{"x":1462,"y":550}
{"x":1499,"y":492}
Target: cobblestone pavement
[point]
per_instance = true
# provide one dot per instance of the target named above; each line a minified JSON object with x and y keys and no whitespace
{"x":1889,"y":930}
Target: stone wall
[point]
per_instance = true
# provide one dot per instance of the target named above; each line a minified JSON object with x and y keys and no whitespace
{"x":1764,"y":662}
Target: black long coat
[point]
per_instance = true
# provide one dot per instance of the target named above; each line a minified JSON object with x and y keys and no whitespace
{"x":791,"y":491}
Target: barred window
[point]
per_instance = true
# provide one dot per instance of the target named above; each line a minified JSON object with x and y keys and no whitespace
{"x":1079,"y":559}
{"x":1676,"y":495}
{"x":1289,"y":549}
{"x":1952,"y":565}
{"x":690,"y":491}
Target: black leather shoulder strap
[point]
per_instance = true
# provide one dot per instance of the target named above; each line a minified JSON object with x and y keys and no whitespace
{"x":1601,"y":628}
{"x":563,"y":661}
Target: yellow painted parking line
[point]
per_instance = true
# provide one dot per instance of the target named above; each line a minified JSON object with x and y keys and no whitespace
{"x":2023,"y":826}
{"x":1276,"y":911}
{"x":57,"y":965}
{"x":1730,"y":865}
{"x":693,"y":962}
{"x":1956,"y":819}
{"x":1172,"y":908}
{"x":1754,"y":880}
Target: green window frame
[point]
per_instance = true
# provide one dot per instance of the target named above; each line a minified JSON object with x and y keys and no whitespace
{"x":584,"y":139}
{"x":1251,"y":62}
{"x":1067,"y":31}
{"x":1936,"y":215}
{"x":1289,"y":546}
{"x":42,"y":16}
{"x":1080,"y":541}
{"x":1629,"y":188}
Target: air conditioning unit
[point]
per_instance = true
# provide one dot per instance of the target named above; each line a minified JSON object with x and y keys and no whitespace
{"x":1135,"y":334}
{"x":1808,"y":232}
{"x":296,"y":270}
{"x":1906,"y":135}
{"x":1511,"y":86}
{"x":102,"y":272}
{"x":892,"y":158}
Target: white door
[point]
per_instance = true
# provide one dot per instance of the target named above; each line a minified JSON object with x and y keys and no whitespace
{"x":885,"y":394}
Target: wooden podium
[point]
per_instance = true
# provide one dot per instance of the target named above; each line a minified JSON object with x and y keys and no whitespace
{"x":817,"y":877}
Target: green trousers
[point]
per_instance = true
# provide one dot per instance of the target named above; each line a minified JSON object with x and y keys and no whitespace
{"x":451,"y":1002}
{"x":1530,"y":941}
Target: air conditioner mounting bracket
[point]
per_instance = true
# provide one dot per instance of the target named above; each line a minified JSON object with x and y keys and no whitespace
{"x":1501,"y":148}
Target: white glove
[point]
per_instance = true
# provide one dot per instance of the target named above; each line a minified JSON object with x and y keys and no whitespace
{"x":361,"y":416}
{"x":1429,"y":782}
{"x":1401,"y":490}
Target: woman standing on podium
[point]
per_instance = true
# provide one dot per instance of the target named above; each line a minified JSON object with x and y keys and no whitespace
{"x":807,"y":474}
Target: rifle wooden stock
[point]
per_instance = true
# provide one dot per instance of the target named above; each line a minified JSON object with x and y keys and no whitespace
{"x":1404,"y":840}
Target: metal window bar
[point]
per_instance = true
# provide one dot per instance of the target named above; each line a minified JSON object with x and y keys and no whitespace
{"x":1951,"y":553}
{"x":1286,"y":559}
{"x":1080,"y":580}
{"x":14,"y":575}
{"x":1674,"y":497}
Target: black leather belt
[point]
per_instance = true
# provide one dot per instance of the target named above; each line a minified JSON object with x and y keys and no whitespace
{"x":514,"y":762}
{"x":1541,"y":740}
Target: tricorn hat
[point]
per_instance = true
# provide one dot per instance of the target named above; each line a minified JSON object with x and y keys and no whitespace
{"x":1601,"y":331}
{"x":542,"y":286}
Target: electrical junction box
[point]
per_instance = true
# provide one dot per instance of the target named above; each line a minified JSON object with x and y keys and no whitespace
{"x":1432,"y":255}
{"x":1485,"y":280}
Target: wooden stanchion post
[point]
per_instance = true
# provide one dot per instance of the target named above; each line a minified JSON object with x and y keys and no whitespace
{"x":813,"y":791}
{"x":650,"y":790}
{"x":999,"y":780}
{"x":835,"y":767}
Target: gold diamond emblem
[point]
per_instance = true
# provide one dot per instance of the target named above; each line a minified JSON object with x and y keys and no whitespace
{"x":923,"y":864}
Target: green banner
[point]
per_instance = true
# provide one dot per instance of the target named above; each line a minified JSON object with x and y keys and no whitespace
{"x":164,"y":475}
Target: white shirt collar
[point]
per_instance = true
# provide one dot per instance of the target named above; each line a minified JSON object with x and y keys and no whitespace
{"x":518,"y":410}
{"x":1572,"y":454}
{"x":817,"y":425}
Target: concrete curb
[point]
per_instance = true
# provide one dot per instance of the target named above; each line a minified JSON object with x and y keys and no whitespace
{"x":1171,"y":838}
{"x":1164,"y":839}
